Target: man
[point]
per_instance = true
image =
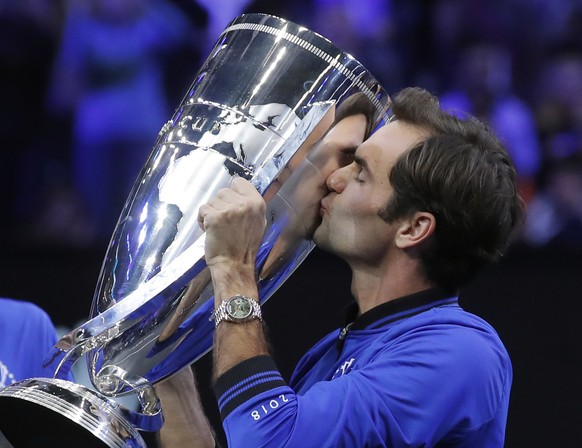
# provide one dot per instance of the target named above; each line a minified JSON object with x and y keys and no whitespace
{"x":26,"y":335}
{"x":426,"y":203}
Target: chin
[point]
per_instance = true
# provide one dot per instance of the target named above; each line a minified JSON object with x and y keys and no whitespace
{"x":310,"y":232}
{"x":315,"y":236}
{"x":320,"y":238}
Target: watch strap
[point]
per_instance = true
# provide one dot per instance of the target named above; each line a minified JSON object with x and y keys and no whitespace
{"x":222,"y":312}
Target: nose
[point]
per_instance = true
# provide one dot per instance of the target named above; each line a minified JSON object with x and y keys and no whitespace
{"x":336,"y":181}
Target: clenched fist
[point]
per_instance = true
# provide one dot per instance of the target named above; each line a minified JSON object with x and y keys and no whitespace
{"x":234,"y":221}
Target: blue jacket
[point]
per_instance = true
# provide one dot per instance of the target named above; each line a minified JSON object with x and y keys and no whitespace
{"x":416,"y":371}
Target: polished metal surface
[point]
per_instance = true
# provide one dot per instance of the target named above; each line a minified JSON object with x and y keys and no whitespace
{"x":104,"y":420}
{"x":267,"y":105}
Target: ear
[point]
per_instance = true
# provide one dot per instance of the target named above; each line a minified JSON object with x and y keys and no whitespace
{"x":415,"y":229}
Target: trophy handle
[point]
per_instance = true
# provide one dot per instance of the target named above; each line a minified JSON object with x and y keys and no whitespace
{"x":149,"y":417}
{"x":111,"y":378}
{"x":112,"y":322}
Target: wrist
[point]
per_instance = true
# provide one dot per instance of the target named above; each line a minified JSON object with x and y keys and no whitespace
{"x":230,"y":279}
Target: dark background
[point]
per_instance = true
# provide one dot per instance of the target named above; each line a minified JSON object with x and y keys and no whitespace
{"x":52,"y":248}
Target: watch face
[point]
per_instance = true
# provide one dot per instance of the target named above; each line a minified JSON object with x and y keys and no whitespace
{"x":239,"y":308}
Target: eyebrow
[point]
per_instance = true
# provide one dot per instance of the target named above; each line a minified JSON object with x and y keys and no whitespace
{"x":361,"y":161}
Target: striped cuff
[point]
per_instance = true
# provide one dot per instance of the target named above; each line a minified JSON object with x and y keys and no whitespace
{"x":246,"y":380}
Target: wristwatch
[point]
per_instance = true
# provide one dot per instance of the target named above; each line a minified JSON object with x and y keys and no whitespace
{"x":237,"y":309}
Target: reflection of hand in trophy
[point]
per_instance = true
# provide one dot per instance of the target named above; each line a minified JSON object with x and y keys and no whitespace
{"x":188,"y":301}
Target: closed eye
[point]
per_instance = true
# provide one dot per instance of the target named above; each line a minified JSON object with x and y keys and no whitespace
{"x":361,"y":169}
{"x":360,"y":161}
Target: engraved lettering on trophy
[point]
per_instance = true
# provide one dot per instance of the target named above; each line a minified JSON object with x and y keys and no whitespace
{"x":184,"y":122}
{"x":215,"y":130}
{"x":199,"y":123}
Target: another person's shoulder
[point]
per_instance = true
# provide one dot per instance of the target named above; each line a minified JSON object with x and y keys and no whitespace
{"x":22,"y":310}
{"x":21,"y":305}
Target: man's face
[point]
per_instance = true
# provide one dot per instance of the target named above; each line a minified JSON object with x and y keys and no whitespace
{"x":351,"y":227}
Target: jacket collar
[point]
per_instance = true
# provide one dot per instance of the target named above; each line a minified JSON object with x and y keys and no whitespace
{"x":399,"y":308}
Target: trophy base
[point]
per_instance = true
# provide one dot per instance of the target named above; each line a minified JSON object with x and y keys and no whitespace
{"x":52,"y":412}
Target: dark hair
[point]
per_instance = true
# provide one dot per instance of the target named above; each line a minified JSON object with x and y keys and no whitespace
{"x":461,"y":174}
{"x":356,"y":104}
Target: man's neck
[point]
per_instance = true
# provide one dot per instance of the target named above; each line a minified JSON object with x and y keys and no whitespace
{"x":372,"y":287}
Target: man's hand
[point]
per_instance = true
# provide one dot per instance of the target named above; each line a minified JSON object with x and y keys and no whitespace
{"x":234,"y":222}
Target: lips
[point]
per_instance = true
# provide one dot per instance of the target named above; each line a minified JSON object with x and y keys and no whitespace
{"x":324,"y":206}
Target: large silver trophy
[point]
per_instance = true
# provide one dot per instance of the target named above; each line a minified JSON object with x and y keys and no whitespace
{"x":270,"y":105}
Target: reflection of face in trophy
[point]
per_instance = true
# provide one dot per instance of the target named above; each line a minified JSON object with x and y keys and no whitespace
{"x":305,"y":182}
{"x":304,"y":190}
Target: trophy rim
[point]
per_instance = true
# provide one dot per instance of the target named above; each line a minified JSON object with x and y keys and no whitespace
{"x":252,"y":22}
